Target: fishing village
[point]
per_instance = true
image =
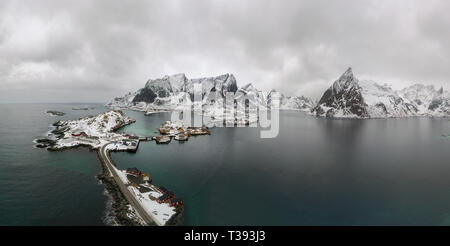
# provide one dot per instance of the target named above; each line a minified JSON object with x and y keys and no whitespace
{"x":136,"y":200}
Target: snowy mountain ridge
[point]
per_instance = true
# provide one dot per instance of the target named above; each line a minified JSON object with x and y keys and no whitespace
{"x":349,"y":97}
{"x":176,"y":92}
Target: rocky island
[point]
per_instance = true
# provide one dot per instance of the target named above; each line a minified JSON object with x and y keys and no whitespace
{"x":55,"y":113}
{"x":91,"y":131}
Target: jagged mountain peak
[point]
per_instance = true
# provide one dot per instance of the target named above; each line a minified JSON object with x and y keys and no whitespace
{"x":229,"y":83}
{"x":248,"y":88}
{"x":348,"y":73}
{"x":177,"y":92}
{"x":223,"y":77}
{"x":344,"y":97}
{"x":350,"y":97}
{"x":345,"y":82}
{"x":175,"y":78}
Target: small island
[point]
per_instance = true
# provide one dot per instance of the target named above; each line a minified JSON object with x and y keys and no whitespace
{"x":80,"y":108}
{"x":91,"y":131}
{"x":55,"y":113}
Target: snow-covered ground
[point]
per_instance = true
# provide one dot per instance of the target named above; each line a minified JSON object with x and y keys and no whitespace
{"x":98,"y":126}
{"x":93,"y":131}
{"x":123,"y":145}
{"x":161,"y":212}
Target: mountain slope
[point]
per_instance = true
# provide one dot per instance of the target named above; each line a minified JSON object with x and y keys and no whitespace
{"x":343,"y":99}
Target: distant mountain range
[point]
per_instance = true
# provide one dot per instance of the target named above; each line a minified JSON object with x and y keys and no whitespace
{"x":176,"y":92}
{"x":348,"y":97}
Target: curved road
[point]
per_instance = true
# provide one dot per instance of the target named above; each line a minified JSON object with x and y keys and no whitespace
{"x":147,"y":217}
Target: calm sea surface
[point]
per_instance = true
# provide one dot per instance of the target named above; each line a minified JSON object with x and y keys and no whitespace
{"x":316,"y":172}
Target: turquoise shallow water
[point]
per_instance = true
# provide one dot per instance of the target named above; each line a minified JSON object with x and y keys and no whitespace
{"x":316,"y":172}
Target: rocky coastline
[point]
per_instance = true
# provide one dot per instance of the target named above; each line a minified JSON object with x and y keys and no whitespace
{"x":120,"y":208}
{"x":120,"y":211}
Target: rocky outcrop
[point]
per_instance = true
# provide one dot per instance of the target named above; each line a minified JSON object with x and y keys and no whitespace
{"x":145,"y":95}
{"x":344,"y":97}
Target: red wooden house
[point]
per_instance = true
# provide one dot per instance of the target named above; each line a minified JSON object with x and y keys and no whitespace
{"x":166,"y":197}
{"x":175,"y":202}
{"x":81,"y":134}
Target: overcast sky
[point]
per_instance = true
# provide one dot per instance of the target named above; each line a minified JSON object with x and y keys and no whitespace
{"x":91,"y":51}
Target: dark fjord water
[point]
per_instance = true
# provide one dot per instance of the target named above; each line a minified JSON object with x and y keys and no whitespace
{"x":316,"y":172}
{"x":38,"y":187}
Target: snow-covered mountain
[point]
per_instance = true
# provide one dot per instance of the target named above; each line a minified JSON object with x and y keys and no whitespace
{"x":296,"y":103}
{"x":349,"y":97}
{"x":428,"y":100}
{"x":176,"y":92}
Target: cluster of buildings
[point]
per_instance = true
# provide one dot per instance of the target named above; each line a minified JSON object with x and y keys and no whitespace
{"x":144,"y":177}
{"x":178,"y":131}
{"x":169,"y":197}
{"x":138,"y":178}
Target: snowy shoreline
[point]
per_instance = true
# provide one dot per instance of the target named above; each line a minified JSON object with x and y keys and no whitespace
{"x":99,"y":133}
{"x":119,"y":212}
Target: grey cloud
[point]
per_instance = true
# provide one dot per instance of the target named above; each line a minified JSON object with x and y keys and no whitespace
{"x":106,"y":48}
